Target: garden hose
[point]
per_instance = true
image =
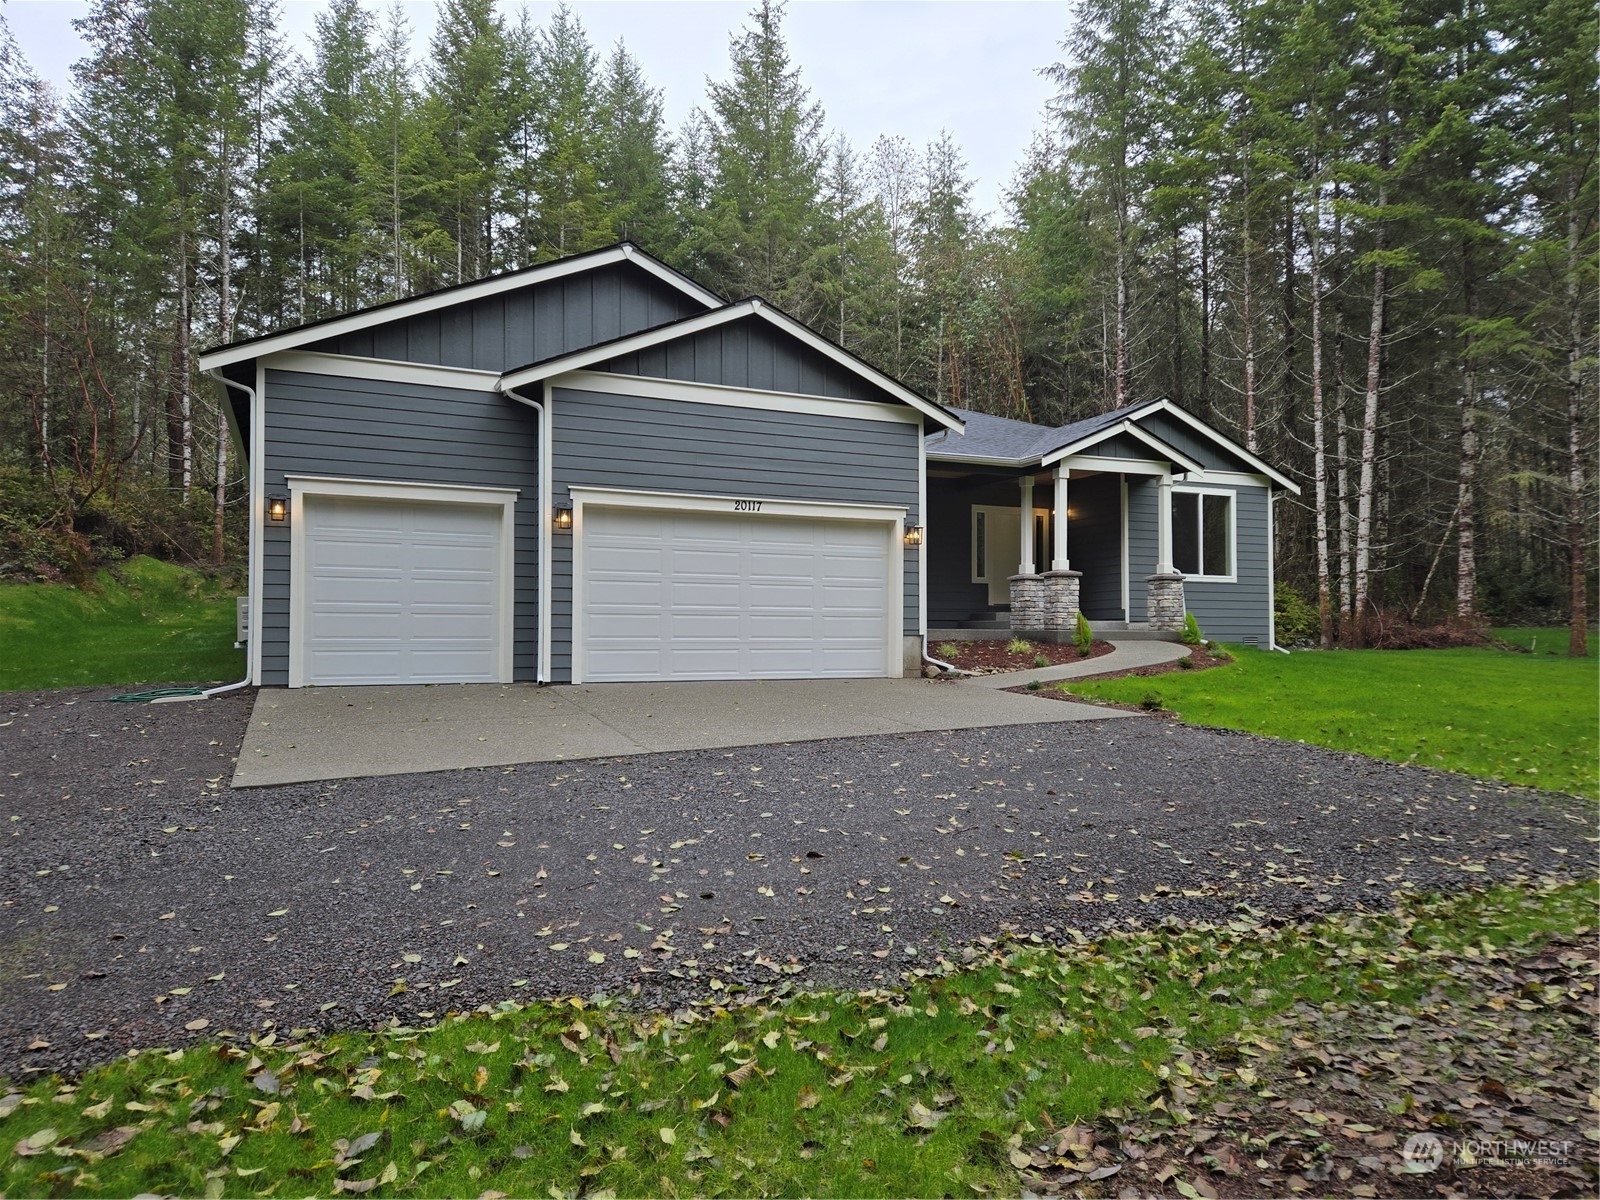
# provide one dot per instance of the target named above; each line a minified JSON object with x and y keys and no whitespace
{"x":148,"y":697}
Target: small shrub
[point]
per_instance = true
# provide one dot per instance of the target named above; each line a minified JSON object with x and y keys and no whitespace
{"x":1083,"y":637}
{"x":1191,"y":630}
{"x":1019,"y":646}
{"x":1041,"y":660}
{"x":1186,"y":663}
{"x":1035,"y":685}
{"x":1294,"y":619}
{"x":1151,"y":702}
{"x":1218,"y":654}
{"x":947,"y":649}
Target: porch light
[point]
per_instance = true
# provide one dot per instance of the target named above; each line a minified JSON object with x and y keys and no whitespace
{"x":913,"y":535}
{"x":563,"y":509}
{"x":277,"y":509}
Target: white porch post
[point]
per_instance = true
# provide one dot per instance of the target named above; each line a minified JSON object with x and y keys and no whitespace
{"x":1058,"y":556}
{"x":1164,"y":524}
{"x":1025,"y":556}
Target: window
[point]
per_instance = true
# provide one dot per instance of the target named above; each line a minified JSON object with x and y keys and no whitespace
{"x":1202,"y":534}
{"x":980,"y":546}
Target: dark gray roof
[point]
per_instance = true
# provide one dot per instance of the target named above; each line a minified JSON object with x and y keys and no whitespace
{"x":991,"y":437}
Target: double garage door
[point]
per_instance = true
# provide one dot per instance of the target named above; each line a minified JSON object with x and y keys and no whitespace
{"x":696,"y":595}
{"x":396,"y":591}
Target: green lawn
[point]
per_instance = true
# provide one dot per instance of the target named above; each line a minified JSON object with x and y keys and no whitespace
{"x":1496,"y":714}
{"x":1543,"y":639}
{"x":146,"y":622}
{"x":945,"y":1088}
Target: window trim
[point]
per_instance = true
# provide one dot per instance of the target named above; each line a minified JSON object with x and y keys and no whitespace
{"x":1233,"y":529}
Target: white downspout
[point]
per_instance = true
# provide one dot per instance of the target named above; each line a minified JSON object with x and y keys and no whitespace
{"x":249,"y":392}
{"x":546,"y":516}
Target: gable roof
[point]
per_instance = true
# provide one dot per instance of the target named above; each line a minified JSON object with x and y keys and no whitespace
{"x":1002,"y":441}
{"x":751,"y":308}
{"x":460,"y":293}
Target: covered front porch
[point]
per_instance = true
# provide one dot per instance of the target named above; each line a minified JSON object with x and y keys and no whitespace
{"x":1020,"y":552}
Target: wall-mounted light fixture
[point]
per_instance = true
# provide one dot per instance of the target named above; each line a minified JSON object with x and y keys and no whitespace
{"x":563,"y":509}
{"x":913,"y":535}
{"x":277,"y":509}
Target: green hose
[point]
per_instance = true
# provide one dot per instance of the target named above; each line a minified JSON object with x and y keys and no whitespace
{"x":147,"y":697}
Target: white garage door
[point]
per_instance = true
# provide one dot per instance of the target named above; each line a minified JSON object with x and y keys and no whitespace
{"x":669,"y":595}
{"x":400,"y":592}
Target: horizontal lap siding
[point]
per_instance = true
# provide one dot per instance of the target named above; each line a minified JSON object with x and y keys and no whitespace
{"x":518,"y":327}
{"x":403,"y":433}
{"x":649,"y":444}
{"x":1232,"y":612}
{"x":1238,"y":612}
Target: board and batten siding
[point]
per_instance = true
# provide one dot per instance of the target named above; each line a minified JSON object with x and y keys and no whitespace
{"x":402,"y":433}
{"x":513,"y":329}
{"x":650,"y":444}
{"x":749,"y":354}
{"x":1229,"y":612}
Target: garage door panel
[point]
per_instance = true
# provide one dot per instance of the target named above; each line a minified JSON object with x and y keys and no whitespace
{"x":400,"y":591}
{"x":734,"y":596}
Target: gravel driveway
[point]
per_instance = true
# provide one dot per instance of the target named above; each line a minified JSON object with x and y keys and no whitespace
{"x":142,"y":896}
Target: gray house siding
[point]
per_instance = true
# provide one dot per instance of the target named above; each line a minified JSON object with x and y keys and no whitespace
{"x":406,"y":433}
{"x":604,"y":440}
{"x":1203,"y":450}
{"x":748,"y":354}
{"x":515,"y":328}
{"x":952,"y":596}
{"x":1230,"y":612}
{"x":1094,"y":544}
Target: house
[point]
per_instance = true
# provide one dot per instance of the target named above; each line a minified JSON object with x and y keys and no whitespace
{"x":597,"y":470}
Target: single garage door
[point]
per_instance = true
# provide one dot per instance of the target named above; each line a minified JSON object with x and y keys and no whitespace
{"x":677,"y":595}
{"x":401,"y":592}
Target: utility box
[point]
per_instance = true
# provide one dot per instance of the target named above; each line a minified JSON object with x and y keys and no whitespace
{"x":241,"y":621}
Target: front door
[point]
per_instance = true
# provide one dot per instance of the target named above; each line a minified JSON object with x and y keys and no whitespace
{"x":995,"y":550}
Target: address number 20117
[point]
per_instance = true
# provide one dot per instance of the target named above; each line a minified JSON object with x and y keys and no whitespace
{"x":747,"y":506}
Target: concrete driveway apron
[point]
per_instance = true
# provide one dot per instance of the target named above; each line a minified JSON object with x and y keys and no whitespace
{"x":310,"y":734}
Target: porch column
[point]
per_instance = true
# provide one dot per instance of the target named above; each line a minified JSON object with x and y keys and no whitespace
{"x":1025,"y":559}
{"x":1164,"y":524}
{"x":1058,"y":556}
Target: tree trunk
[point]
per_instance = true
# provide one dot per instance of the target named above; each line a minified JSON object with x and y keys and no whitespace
{"x":1342,"y":448}
{"x":219,"y":486}
{"x":1466,"y":471}
{"x":1369,"y":427}
{"x":1318,"y":431}
{"x":1577,"y":531}
{"x":1120,"y":379}
{"x":1205,"y":317}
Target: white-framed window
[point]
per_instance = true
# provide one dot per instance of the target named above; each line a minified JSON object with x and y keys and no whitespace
{"x":980,"y":545}
{"x":1204,"y":524}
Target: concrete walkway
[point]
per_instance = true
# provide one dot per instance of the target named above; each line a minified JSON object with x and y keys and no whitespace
{"x":1125,"y":656}
{"x":313,"y":734}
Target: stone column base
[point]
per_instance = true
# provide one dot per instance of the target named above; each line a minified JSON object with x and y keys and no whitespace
{"x":1164,"y":606}
{"x":1045,"y":607}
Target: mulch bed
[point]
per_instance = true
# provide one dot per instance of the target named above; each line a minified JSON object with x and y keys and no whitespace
{"x":992,"y":658}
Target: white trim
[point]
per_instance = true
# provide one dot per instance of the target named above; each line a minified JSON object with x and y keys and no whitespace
{"x":1059,"y":560}
{"x":1227,"y":443}
{"x":303,"y":486}
{"x":256,"y":571}
{"x":1025,"y":528}
{"x":1116,"y":466}
{"x":352,"y":366}
{"x":732,"y":397}
{"x":547,"y":516}
{"x":1127,"y":611}
{"x":893,"y":518}
{"x":716,"y":318}
{"x":979,"y":572}
{"x":1164,"y":524}
{"x":974,"y":460}
{"x":1133,"y":430}
{"x":921,"y":551}
{"x":1272,"y":583}
{"x":1237,"y":478}
{"x":1191,"y":489}
{"x":462,"y":294}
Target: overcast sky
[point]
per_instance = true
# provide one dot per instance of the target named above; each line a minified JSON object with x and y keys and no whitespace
{"x":907,"y":67}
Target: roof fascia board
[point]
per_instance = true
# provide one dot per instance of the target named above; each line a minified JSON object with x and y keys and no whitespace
{"x":352,"y":366}
{"x":1227,"y":444}
{"x":289,"y":339}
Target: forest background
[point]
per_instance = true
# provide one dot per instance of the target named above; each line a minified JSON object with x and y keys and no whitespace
{"x":1360,"y":238}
